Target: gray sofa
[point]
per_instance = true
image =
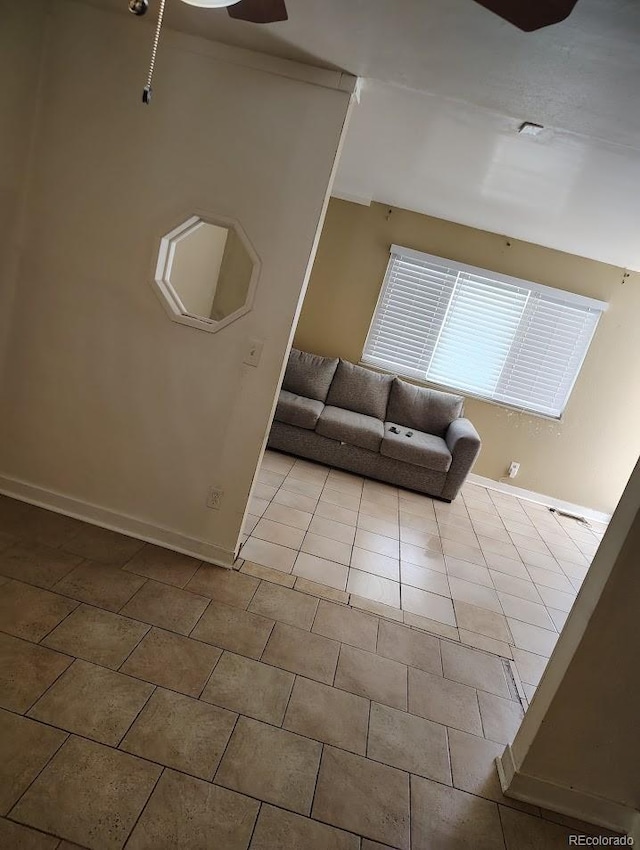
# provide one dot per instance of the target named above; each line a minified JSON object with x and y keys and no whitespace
{"x":374,"y":424}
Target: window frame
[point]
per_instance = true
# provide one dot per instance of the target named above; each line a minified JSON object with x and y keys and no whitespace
{"x":569,"y":298}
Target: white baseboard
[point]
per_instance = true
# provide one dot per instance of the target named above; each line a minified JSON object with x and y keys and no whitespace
{"x":538,"y":498}
{"x":567,"y":801}
{"x":123,"y":523}
{"x":506,"y":768}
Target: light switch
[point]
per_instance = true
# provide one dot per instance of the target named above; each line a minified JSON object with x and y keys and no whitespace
{"x":253,"y":352}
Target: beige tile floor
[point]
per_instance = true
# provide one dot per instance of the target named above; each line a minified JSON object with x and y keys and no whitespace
{"x":489,"y":570}
{"x":150,"y":701}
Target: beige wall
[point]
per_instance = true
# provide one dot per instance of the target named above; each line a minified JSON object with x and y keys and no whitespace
{"x":196,"y":266}
{"x":585,"y":459}
{"x":104,"y":400}
{"x":600,"y":691}
{"x":22,"y":27}
{"x":578,"y":748}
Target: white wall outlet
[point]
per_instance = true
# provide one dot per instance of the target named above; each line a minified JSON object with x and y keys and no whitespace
{"x":514,"y":468}
{"x":214,"y":498}
{"x":253,"y":352}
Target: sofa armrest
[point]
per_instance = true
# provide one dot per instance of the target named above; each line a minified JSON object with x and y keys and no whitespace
{"x":461,"y":433}
{"x":463,"y":441}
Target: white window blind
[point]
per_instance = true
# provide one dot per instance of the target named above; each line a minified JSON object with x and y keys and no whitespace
{"x":481,"y":333}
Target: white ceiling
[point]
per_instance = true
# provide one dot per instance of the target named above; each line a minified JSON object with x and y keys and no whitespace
{"x":469,"y":165}
{"x":447,"y":84}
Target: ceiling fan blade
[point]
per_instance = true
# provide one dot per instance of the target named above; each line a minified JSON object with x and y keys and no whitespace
{"x":259,"y":11}
{"x":530,"y":15}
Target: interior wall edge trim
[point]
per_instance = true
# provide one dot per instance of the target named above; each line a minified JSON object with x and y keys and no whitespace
{"x":569,"y":801}
{"x":114,"y":521}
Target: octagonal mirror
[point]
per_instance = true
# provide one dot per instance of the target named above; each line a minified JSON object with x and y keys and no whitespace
{"x":206,"y":273}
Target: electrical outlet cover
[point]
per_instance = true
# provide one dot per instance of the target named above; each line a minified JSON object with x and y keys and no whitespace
{"x":214,"y":498}
{"x":253,"y":352}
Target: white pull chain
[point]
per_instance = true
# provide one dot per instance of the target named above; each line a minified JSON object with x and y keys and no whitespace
{"x":146,"y":94}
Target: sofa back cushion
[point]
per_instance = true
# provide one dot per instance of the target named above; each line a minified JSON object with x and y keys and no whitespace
{"x":359,"y":389}
{"x":425,"y":410}
{"x":309,"y":375}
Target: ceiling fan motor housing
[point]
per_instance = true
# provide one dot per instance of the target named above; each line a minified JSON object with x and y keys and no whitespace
{"x":528,"y":15}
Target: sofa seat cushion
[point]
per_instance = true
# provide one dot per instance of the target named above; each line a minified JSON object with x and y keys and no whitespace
{"x":298,"y":410}
{"x":421,"y":408}
{"x":359,"y":389}
{"x":350,"y":427}
{"x":309,"y":375}
{"x":420,"y":449}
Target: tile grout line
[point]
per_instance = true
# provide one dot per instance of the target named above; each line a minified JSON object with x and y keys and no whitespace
{"x":449,"y":759}
{"x":504,"y":837}
{"x":212,"y":781}
{"x":410,"y":794}
{"x":315,"y":614}
{"x":315,"y":784}
{"x":210,"y":600}
{"x":146,"y":802}
{"x":406,"y":687}
{"x":272,"y":726}
{"x":199,"y":697}
{"x":477,"y":695}
{"x":67,"y":735}
{"x":353,"y":544}
{"x":255,"y":823}
{"x":133,"y":649}
{"x":66,"y":617}
{"x":148,"y":759}
{"x":253,"y":596}
{"x":25,"y":713}
{"x":335,"y":671}
{"x":195,"y":625}
{"x":266,"y":644}
{"x":162,"y":581}
{"x":289,"y":698}
{"x":135,"y":718}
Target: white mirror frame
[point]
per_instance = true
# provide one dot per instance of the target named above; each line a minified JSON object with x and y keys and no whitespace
{"x":162,"y":281}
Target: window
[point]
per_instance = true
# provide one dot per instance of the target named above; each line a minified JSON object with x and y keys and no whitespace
{"x":481,"y":333}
